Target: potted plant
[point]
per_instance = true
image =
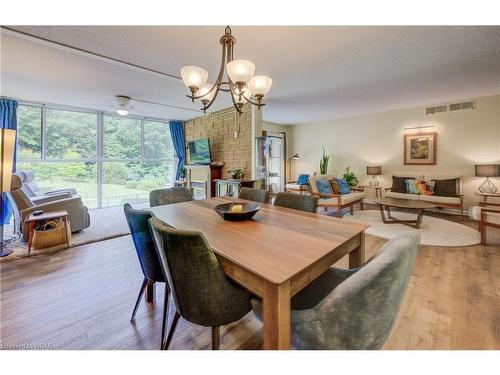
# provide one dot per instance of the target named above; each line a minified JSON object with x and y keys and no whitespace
{"x":323,"y":163}
{"x":237,"y":174}
{"x":350,"y":177}
{"x":182,"y":173}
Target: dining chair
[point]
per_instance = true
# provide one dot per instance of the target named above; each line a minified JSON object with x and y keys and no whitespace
{"x":148,"y":258}
{"x":201,"y":291}
{"x":256,"y":195}
{"x":161,"y":197}
{"x":297,"y":201}
{"x":353,"y":309}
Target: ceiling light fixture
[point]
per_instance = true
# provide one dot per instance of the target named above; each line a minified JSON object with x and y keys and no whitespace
{"x":123,"y":105}
{"x":241,"y":83}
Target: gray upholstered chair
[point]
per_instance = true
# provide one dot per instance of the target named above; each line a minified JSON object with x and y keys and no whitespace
{"x":32,"y":190}
{"x":22,"y":205}
{"x":297,"y":201}
{"x":353,"y":309}
{"x":256,"y":195}
{"x":148,"y":258}
{"x":202,"y":292}
{"x":161,"y":197}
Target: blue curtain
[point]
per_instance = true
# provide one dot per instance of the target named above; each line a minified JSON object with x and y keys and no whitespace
{"x":8,"y":120}
{"x":177,"y":134}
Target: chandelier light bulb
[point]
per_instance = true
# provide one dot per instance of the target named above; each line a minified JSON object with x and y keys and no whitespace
{"x":240,"y":70}
{"x":260,"y":85}
{"x":205,"y":92}
{"x":194,"y":77}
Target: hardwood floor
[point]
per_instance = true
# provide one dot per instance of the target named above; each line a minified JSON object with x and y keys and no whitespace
{"x":82,"y":298}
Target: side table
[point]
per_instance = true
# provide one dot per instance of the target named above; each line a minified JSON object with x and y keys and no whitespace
{"x":486,"y":196}
{"x":378,"y":190}
{"x":31,"y":220}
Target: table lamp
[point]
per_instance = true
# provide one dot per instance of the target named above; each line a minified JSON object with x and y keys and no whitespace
{"x":7,"y":143}
{"x":488,"y":170}
{"x":374,"y":171}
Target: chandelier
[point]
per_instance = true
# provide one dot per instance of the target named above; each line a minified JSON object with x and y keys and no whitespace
{"x":241,"y":83}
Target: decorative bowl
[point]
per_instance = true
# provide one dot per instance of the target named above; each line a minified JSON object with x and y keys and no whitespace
{"x":237,"y":211}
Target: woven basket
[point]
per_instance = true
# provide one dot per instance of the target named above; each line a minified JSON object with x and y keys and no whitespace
{"x":52,"y":234}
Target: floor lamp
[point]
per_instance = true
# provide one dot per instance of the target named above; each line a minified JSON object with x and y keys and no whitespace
{"x":293,"y":157}
{"x":7,"y":143}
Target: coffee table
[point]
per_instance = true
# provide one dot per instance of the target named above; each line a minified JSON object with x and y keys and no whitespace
{"x":385,"y":205}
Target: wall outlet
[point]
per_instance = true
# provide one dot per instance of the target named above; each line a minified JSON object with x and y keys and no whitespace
{"x":236,"y":134}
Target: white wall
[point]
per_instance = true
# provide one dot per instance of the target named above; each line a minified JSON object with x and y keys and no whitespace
{"x":465,"y":137}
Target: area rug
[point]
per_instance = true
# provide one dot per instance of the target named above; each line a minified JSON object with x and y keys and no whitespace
{"x":433,"y":231}
{"x":105,"y":223}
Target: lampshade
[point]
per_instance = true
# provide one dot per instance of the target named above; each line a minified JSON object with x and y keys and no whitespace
{"x":488,"y":170}
{"x":240,"y":99}
{"x":122,"y":111}
{"x":7,"y":143}
{"x":194,"y":76}
{"x":260,"y":85}
{"x":374,"y":170}
{"x":205,"y":92}
{"x":240,"y":70}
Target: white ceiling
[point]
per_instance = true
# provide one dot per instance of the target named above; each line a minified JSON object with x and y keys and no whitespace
{"x":319,"y":73}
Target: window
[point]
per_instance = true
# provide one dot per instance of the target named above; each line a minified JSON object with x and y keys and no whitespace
{"x":63,"y":148}
{"x":122,"y":138}
{"x":29,"y":135}
{"x":71,"y":135}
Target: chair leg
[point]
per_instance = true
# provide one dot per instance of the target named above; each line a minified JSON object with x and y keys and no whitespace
{"x":482,"y":230}
{"x":171,"y":330}
{"x":216,"y":338}
{"x":165,"y":315}
{"x":352,"y":209}
{"x":138,"y":302}
{"x":339,"y":211}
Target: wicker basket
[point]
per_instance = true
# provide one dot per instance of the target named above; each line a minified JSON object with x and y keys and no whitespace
{"x":52,"y":234}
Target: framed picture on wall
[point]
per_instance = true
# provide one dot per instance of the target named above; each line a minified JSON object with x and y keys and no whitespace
{"x":420,"y":148}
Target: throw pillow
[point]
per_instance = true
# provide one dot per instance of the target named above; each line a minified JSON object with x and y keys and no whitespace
{"x":335,"y":186}
{"x":446,"y":188}
{"x":302,"y":180}
{"x":344,"y":187}
{"x":324,"y":186}
{"x":411,"y":186}
{"x":399,"y":184}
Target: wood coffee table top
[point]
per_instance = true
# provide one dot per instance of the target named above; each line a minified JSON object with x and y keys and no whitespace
{"x":404,"y":203}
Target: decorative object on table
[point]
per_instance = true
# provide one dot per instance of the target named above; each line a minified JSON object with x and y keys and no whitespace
{"x":420,"y":148}
{"x":374,"y":171}
{"x":241,"y":83}
{"x":7,"y":144}
{"x":237,"y":211}
{"x":488,"y":170}
{"x":350,"y":177}
{"x":323,"y":163}
{"x":237,"y":174}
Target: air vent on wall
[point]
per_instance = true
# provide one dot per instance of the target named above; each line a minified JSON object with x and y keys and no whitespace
{"x":435,"y":109}
{"x":464,"y":105}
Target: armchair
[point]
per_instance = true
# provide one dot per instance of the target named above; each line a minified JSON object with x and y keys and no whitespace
{"x":32,"y":190}
{"x":293,"y":186}
{"x":22,"y":205}
{"x":488,"y":215}
{"x":338,"y":201}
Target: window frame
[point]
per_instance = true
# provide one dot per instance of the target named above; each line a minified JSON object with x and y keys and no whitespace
{"x":100,"y":158}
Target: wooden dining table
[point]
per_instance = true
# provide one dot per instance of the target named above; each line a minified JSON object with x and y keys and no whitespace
{"x":274,"y":255}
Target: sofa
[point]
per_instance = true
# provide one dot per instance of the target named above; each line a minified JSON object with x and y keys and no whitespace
{"x":449,"y":200}
{"x":338,"y":201}
{"x":23,"y":205}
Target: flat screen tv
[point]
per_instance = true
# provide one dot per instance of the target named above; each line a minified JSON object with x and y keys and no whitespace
{"x":199,"y":151}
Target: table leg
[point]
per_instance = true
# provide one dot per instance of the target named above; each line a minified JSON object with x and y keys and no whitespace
{"x":150,"y":291}
{"x":30,"y":236}
{"x":276,"y":314}
{"x":357,"y":256}
{"x":419,"y":218}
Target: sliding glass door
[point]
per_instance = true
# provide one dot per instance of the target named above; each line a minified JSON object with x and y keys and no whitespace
{"x":110,"y":160}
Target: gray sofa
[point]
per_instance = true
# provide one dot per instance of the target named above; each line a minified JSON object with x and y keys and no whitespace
{"x":23,"y":205}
